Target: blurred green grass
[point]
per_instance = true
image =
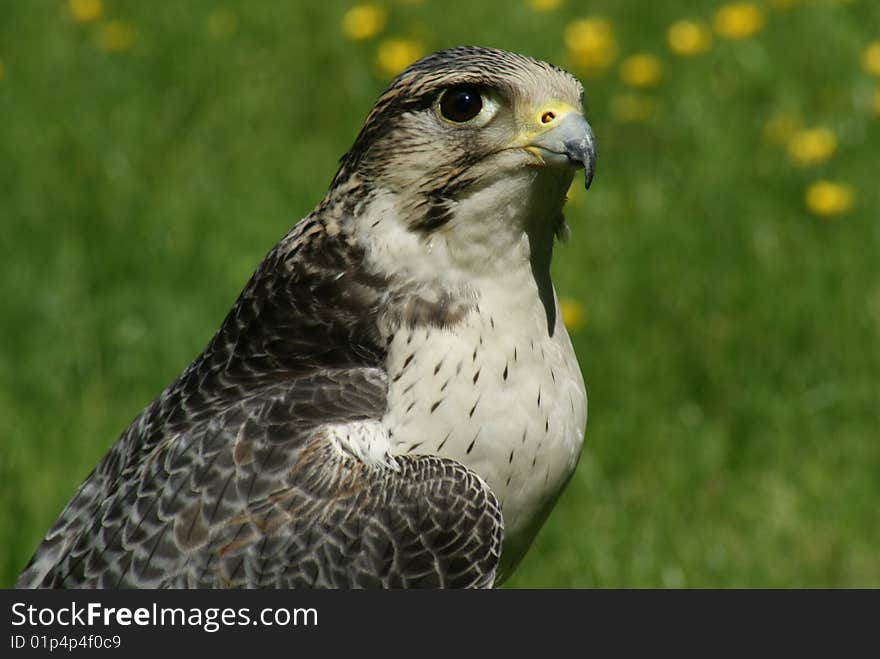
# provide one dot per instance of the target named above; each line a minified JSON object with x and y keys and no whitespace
{"x":731,"y":343}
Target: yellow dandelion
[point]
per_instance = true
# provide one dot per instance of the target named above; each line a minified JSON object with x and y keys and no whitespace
{"x":871,"y":58}
{"x":688,"y":38}
{"x":544,"y":5}
{"x":826,"y":198}
{"x":632,"y":108}
{"x":573,"y":315}
{"x":85,"y":11}
{"x":781,"y":127}
{"x":394,"y":55}
{"x":117,"y":36}
{"x":641,"y":70}
{"x":222,"y":23}
{"x":591,"y":44}
{"x":811,"y":147}
{"x":363,"y":21}
{"x":738,"y":20}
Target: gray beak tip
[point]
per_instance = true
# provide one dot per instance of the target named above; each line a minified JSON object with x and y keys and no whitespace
{"x":570,"y":143}
{"x":583,"y":151}
{"x":588,"y":178}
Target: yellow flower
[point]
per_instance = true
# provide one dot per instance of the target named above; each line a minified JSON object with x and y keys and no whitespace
{"x":688,"y":38}
{"x":825,"y":198}
{"x":117,"y":36}
{"x":781,"y":127}
{"x":363,"y":21}
{"x":641,"y":71}
{"x":810,"y":147}
{"x":591,"y":44}
{"x":871,"y":58}
{"x":85,"y":11}
{"x":632,"y":108}
{"x":222,"y":23}
{"x":573,"y":314}
{"x":394,"y":55}
{"x":544,"y":5}
{"x":738,"y":20}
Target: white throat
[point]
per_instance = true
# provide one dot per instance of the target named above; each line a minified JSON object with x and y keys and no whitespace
{"x":506,"y":225}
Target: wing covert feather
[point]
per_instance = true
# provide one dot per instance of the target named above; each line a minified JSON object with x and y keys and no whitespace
{"x":259,"y":496}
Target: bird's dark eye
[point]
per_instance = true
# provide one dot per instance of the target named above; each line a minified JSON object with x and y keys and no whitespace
{"x":460,"y":104}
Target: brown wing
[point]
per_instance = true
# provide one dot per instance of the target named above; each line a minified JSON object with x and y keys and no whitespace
{"x":228,"y":478}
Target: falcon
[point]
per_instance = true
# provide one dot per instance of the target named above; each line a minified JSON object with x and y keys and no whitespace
{"x":393,"y":400}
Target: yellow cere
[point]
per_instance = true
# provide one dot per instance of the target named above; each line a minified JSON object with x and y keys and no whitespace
{"x":117,"y":36}
{"x":826,"y":198}
{"x":688,"y":38}
{"x":394,"y":55}
{"x":363,"y":21}
{"x":641,"y":71}
{"x":573,"y":315}
{"x":738,"y":20}
{"x":591,"y":44}
{"x":871,"y":58}
{"x":85,"y":11}
{"x":544,"y":5}
{"x":811,"y":147}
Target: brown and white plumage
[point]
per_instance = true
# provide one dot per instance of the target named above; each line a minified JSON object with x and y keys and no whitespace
{"x":393,"y":392}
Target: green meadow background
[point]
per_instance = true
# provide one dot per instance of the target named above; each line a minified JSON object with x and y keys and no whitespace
{"x":727,"y":320}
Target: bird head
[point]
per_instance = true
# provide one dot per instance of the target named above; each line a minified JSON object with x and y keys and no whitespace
{"x":473,"y":146}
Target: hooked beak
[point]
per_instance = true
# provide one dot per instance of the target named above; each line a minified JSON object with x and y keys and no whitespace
{"x":567,"y":141}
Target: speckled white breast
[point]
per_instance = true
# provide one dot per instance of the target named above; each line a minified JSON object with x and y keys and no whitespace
{"x":499,"y":394}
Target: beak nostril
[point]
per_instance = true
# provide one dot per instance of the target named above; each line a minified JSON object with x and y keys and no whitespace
{"x":547,"y":117}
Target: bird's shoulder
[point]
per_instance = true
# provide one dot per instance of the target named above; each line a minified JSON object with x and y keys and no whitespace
{"x":263,"y":495}
{"x":240,"y":472}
